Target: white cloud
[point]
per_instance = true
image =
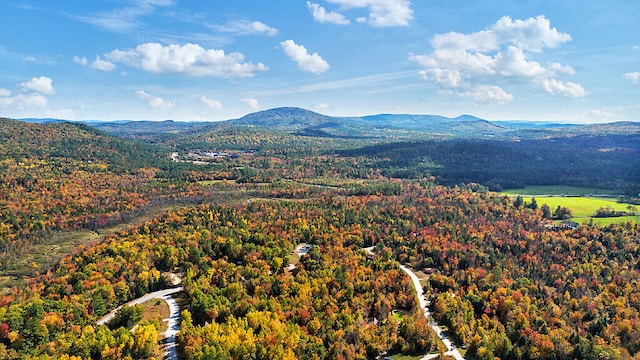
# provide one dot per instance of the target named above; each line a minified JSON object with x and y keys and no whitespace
{"x":102,"y":65}
{"x":154,"y":101}
{"x":27,"y":101}
{"x":189,"y":59}
{"x":30,"y":59}
{"x":258,"y":27}
{"x":447,"y":78}
{"x":513,"y":62}
{"x":321,"y":15}
{"x":80,"y":60}
{"x":469,"y":64}
{"x":634,"y":77}
{"x":124,"y":19}
{"x":533,"y":34}
{"x":487,"y":94}
{"x":42,"y":85}
{"x":211,"y":103}
{"x":245,"y":28}
{"x":31,"y":100}
{"x":369,"y":81}
{"x":485,"y":40}
{"x":382,"y":13}
{"x":562,"y":68}
{"x":308,"y":62}
{"x":253,"y":103}
{"x":556,"y":87}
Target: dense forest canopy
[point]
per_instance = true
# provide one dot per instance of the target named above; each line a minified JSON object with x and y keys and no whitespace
{"x":608,"y":162}
{"x":507,"y":281}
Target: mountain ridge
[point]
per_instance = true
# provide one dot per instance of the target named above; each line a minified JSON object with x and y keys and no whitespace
{"x":306,"y":122}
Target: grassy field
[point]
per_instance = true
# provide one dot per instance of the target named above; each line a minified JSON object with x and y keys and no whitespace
{"x":576,"y":199}
{"x":46,"y":254}
{"x":43,"y":256}
{"x":583,"y":208}
{"x":156,"y":310}
{"x":406,"y":357}
{"x":580,"y":206}
{"x":557,"y":190}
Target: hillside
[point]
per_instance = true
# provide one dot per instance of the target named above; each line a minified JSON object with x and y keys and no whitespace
{"x":251,"y":191}
{"x":606,"y":161}
{"x":61,"y":176}
{"x":382,"y":126}
{"x":72,"y":141}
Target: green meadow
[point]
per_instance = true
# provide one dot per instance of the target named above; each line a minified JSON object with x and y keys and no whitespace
{"x":557,"y":190}
{"x":582,"y":207}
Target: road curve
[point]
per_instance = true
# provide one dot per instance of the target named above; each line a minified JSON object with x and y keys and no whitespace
{"x":172,"y":322}
{"x":451,"y":350}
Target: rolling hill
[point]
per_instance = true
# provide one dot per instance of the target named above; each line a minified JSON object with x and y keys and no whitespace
{"x":394,"y":126}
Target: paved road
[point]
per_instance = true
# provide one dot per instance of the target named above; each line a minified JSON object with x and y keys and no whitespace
{"x":172,"y":322}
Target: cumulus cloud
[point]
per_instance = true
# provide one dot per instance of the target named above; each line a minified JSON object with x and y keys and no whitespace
{"x":487,"y":94}
{"x":634,"y":77}
{"x":189,"y":59}
{"x":556,"y":87}
{"x":211,"y":103}
{"x":154,"y":101}
{"x":30,"y":99}
{"x":533,"y":34}
{"x":382,"y":13}
{"x":253,"y":103}
{"x":467,"y":64}
{"x":25,"y":101}
{"x":42,"y":85}
{"x":102,"y":65}
{"x":80,"y":60}
{"x":321,"y":15}
{"x":307,"y":62}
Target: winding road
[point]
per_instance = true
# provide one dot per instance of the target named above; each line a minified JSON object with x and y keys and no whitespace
{"x":451,"y":350}
{"x":172,"y":322}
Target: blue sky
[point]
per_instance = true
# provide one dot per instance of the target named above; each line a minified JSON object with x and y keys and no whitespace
{"x":571,"y":61}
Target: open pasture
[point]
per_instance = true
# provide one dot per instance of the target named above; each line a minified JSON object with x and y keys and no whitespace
{"x":582,"y":201}
{"x":557,"y":190}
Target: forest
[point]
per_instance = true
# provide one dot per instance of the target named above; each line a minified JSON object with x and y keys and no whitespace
{"x":502,"y":279}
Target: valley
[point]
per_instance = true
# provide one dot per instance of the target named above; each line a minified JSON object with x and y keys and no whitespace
{"x":94,"y":216}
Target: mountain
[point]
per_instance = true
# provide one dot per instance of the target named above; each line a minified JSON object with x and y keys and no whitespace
{"x":304,"y":122}
{"x":416,"y":126}
{"x":284,"y":118}
{"x":42,"y":120}
{"x":73,"y":141}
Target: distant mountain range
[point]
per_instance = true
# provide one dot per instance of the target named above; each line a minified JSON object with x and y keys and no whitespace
{"x":308,"y":123}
